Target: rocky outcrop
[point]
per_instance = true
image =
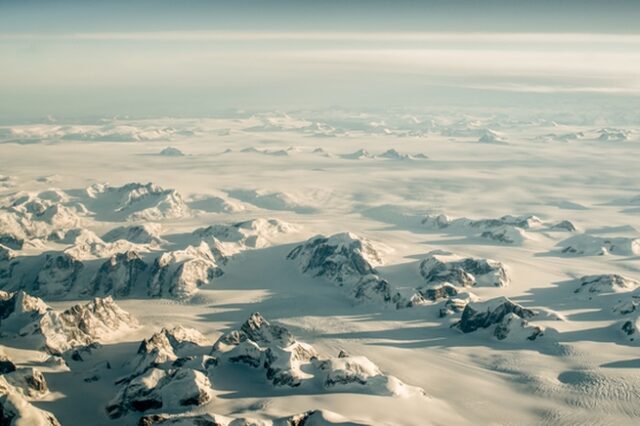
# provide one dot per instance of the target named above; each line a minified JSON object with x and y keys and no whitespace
{"x":456,"y":304}
{"x":360,"y":154}
{"x":58,"y":332}
{"x":58,"y":275}
{"x":442,"y":221}
{"x":171,"y":152}
{"x":81,"y":325}
{"x":16,"y":410}
{"x":564,"y":225}
{"x":443,"y":267}
{"x":613,"y":135}
{"x":590,"y":245}
{"x":629,"y":328}
{"x":508,"y":319}
{"x":119,"y":275}
{"x":607,"y":283}
{"x":147,"y":233}
{"x":6,"y":365}
{"x":18,"y":386}
{"x":506,"y":234}
{"x":261,"y":345}
{"x":347,"y":261}
{"x":310,"y":418}
{"x":156,"y":389}
{"x":169,"y":371}
{"x":20,"y":313}
{"x":178,"y":274}
{"x":8,"y":262}
{"x":393,"y":154}
{"x":338,"y":258}
{"x":492,"y":137}
{"x":288,"y":362}
{"x":168,"y":346}
{"x":29,"y":381}
{"x":504,"y":230}
{"x":628,"y":305}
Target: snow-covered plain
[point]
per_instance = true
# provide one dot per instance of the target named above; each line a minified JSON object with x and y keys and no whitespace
{"x":474,"y":268}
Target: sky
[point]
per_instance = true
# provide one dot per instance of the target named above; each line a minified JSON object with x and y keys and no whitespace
{"x":193,"y":58}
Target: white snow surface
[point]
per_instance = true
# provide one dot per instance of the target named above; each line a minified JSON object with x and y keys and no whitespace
{"x":189,"y":246}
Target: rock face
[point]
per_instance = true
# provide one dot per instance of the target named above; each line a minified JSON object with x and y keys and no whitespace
{"x":439,"y":267}
{"x":613,"y":135}
{"x":20,"y":312}
{"x":147,"y":233}
{"x":492,"y":137}
{"x":608,"y":283}
{"x":169,"y":372}
{"x":17,"y":387}
{"x":119,"y":269}
{"x":119,"y":275}
{"x":589,"y":245}
{"x":347,"y":261}
{"x":507,"y":317}
{"x":392,"y":154}
{"x":564,"y":225}
{"x":456,"y":304}
{"x":442,"y":221}
{"x":438,"y":292}
{"x":82,"y":325}
{"x":156,"y":389}
{"x":6,"y":365}
{"x":179,"y":273}
{"x":360,"y":154}
{"x":58,"y":275}
{"x":15,"y":410}
{"x":505,"y":230}
{"x":338,"y":258}
{"x":261,"y":345}
{"x":8,"y":262}
{"x":310,"y":418}
{"x":171,"y":152}
{"x":58,"y":332}
{"x":630,"y":328}
{"x":288,"y":362}
{"x":29,"y":381}
{"x":167,"y":346}
{"x":506,"y":234}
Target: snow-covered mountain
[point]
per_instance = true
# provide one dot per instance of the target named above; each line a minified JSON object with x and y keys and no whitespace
{"x":347,"y":261}
{"x":135,"y":301}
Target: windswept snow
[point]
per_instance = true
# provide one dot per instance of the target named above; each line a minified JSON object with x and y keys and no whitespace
{"x":496,"y":281}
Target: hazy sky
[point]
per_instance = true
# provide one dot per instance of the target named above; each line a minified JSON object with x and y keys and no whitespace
{"x":78,"y":58}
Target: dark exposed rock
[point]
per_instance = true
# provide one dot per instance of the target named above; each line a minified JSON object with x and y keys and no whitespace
{"x":486,"y":314}
{"x":346,"y":260}
{"x":607,"y":283}
{"x":291,"y":363}
{"x":156,"y":388}
{"x":6,"y":365}
{"x":443,"y":291}
{"x":446,"y":268}
{"x":58,"y":275}
{"x":179,"y":274}
{"x":564,"y":225}
{"x":118,"y":275}
{"x":172,"y":345}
